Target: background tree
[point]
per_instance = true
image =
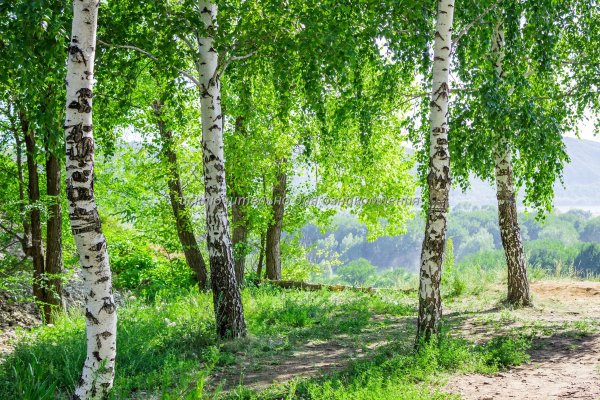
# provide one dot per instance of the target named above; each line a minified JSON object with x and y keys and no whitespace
{"x":32,"y":99}
{"x":515,"y":117}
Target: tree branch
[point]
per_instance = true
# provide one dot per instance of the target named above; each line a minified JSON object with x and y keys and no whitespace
{"x":475,"y":21}
{"x":235,"y":58}
{"x":10,"y":232}
{"x":129,"y":47}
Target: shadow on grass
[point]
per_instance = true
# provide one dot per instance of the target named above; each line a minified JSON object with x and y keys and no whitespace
{"x":313,"y":356}
{"x":398,"y":371}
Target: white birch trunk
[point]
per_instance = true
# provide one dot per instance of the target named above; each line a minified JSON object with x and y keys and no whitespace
{"x":229,"y":313}
{"x":101,"y":317}
{"x":438,"y":179}
{"x":518,"y":284}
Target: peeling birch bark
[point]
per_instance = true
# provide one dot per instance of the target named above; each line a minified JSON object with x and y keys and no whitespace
{"x":438,"y":179}
{"x":510,"y":232}
{"x":227,"y":300}
{"x":101,"y":317}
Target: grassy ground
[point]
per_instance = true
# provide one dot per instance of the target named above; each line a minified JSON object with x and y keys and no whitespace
{"x":301,"y":345}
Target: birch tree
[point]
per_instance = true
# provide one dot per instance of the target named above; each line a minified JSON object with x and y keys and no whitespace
{"x":226,"y":294}
{"x":181,"y":212}
{"x":100,"y":310}
{"x":518,"y":285}
{"x":438,"y":179}
{"x":509,"y":122}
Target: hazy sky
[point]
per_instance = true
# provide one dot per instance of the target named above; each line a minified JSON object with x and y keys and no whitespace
{"x":587,"y":129}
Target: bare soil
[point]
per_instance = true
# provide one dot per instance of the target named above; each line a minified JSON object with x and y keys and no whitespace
{"x":564,"y":364}
{"x":12,"y":317}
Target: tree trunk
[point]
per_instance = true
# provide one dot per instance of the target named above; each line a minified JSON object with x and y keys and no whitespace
{"x":36,"y":250}
{"x":261,"y":255}
{"x":438,"y":179}
{"x":229,"y":312}
{"x":26,"y":239}
{"x":101,"y":316}
{"x":239,"y":219}
{"x":54,"y":259}
{"x":518,"y":284}
{"x":273,"y":247}
{"x":239,"y":237}
{"x":183,"y":221}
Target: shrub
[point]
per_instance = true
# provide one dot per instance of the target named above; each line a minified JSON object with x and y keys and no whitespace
{"x":147,"y":271}
{"x":356,"y":272}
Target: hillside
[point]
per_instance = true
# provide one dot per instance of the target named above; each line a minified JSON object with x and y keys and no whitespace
{"x":581,"y":181}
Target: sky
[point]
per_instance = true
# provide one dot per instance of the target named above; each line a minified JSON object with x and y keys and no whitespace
{"x":587,"y":130}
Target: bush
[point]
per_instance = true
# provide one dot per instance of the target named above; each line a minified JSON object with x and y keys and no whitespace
{"x":493,"y":259}
{"x":356,"y":272}
{"x":147,"y":271}
{"x":394,"y":278}
{"x":503,"y":352}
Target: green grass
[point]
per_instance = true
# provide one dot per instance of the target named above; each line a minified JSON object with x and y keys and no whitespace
{"x":167,"y":348}
{"x":397,"y":372}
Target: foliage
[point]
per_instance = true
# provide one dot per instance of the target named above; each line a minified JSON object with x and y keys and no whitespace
{"x":147,"y":271}
{"x":524,"y":108}
{"x":591,"y":231}
{"x":357,"y":272}
{"x":550,"y":254}
{"x":588,"y":260}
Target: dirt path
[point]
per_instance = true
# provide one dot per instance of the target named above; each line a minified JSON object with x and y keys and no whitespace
{"x":315,"y":358}
{"x":564,"y":365}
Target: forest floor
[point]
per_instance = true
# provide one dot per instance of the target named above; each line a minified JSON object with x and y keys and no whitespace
{"x":565,"y":349}
{"x":326,"y":345}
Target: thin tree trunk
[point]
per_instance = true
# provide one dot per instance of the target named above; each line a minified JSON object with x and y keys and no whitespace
{"x":183,"y":221}
{"x":261,"y":255}
{"x":273,"y":246}
{"x":36,"y":251}
{"x":239,"y":237}
{"x":229,"y":312}
{"x":54,"y":259}
{"x":239,"y":219}
{"x":101,"y":316}
{"x":26,"y":239}
{"x":518,"y":284}
{"x":432,"y":253}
